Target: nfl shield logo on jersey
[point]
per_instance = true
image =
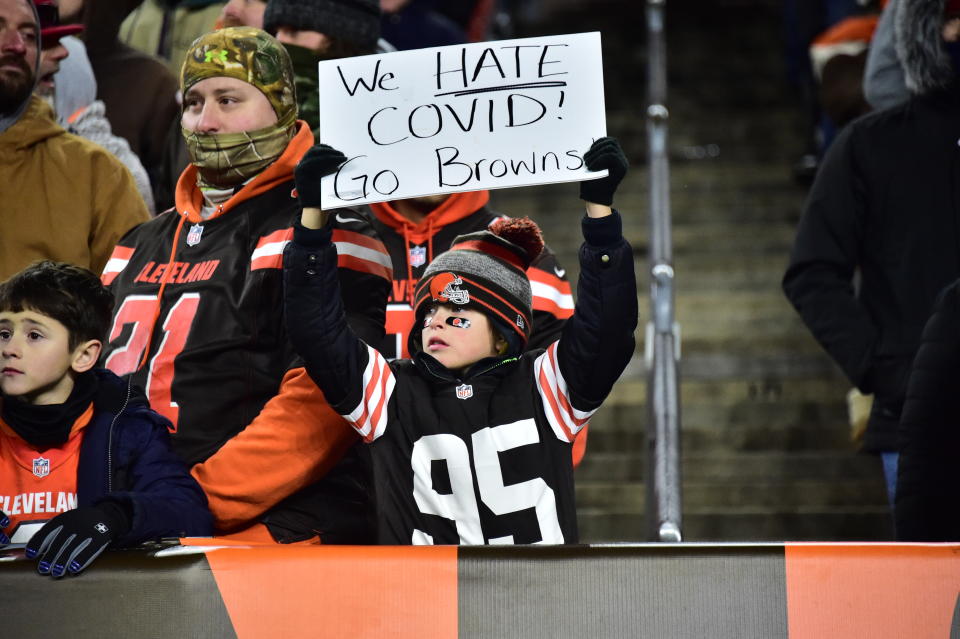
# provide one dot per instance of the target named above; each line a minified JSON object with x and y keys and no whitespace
{"x":41,"y":467}
{"x":193,"y":236}
{"x":418,"y":256}
{"x":464,"y":391}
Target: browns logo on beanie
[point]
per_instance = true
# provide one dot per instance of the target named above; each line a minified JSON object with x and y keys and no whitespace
{"x":485,"y":271}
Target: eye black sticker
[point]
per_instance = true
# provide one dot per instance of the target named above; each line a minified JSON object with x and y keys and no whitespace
{"x":459,"y":322}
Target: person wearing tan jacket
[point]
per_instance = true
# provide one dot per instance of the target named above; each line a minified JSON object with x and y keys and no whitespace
{"x":62,"y":198}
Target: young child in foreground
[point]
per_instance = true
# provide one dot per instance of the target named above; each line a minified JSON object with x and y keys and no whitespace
{"x":470,"y":440}
{"x":82,"y":457}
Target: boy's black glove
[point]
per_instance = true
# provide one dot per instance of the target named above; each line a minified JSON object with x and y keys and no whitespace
{"x":319,"y":162}
{"x":4,"y":522}
{"x":71,"y":540}
{"x":605,"y":153}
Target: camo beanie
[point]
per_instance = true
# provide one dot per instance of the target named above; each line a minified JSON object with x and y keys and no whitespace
{"x":485,"y":271}
{"x":248,"y":54}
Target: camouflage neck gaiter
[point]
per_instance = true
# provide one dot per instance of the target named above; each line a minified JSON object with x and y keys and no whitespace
{"x":227,"y":159}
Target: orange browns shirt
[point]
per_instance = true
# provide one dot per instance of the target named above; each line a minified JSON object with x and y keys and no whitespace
{"x":36,"y":485}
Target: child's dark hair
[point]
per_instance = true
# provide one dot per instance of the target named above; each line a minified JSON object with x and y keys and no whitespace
{"x":70,"y":294}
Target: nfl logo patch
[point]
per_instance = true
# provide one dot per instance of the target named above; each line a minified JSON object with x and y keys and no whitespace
{"x":193,"y":236}
{"x":464,"y":391}
{"x":41,"y":467}
{"x":520,"y":322}
{"x":418,"y":256}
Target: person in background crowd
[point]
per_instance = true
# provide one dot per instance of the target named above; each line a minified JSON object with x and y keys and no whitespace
{"x":78,"y":111}
{"x":138,"y":92}
{"x":884,"y":203}
{"x":73,"y":200}
{"x":167,"y":28}
{"x":883,"y":83}
{"x":242,"y":13}
{"x":77,"y":435}
{"x":199,"y":316}
{"x":408,"y":24}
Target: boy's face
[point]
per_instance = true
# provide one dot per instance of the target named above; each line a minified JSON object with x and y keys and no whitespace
{"x":35,"y":357}
{"x":457,"y":337}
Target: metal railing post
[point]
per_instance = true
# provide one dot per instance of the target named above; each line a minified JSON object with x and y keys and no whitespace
{"x":663,"y":510}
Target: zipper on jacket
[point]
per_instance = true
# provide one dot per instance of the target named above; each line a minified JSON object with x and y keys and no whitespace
{"x":110,"y":434}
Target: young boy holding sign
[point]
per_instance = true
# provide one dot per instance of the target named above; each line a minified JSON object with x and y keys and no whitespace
{"x":470,"y":439}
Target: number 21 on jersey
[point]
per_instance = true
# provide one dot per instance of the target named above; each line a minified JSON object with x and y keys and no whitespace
{"x":138,"y":311}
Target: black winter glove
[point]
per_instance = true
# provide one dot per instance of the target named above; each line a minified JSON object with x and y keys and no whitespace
{"x":605,"y":153}
{"x":320,"y":161}
{"x":72,"y":540}
{"x":4,"y":522}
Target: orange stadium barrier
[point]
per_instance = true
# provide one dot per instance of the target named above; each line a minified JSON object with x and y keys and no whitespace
{"x":794,"y":591}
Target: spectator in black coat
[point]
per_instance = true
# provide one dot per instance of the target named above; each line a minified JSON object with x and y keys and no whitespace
{"x":885,"y":203}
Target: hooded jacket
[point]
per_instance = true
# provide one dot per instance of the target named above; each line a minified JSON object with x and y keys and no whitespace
{"x":64,"y":198}
{"x":199,"y":323}
{"x":885,"y":202}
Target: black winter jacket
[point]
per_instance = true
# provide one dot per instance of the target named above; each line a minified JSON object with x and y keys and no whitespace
{"x":929,"y":469}
{"x":885,"y":202}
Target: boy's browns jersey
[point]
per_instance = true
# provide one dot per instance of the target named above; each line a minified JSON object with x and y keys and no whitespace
{"x":482,"y":461}
{"x":412,"y":247}
{"x":218,"y":348}
{"x":37,"y":484}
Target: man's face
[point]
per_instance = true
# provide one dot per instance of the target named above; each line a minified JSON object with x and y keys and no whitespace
{"x":35,"y":358}
{"x":243,"y":13}
{"x":226,"y":105}
{"x":18,"y":53}
{"x":50,"y":59}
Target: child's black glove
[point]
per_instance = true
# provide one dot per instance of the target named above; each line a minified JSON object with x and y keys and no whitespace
{"x":605,"y":153}
{"x":71,"y":540}
{"x":320,"y":161}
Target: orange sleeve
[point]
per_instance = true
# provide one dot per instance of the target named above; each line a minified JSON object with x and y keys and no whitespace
{"x":293,"y":442}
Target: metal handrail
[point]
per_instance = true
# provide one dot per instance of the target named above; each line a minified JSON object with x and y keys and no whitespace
{"x":664,"y":511}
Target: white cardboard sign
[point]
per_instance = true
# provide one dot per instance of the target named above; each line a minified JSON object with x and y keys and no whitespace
{"x":484,"y":115}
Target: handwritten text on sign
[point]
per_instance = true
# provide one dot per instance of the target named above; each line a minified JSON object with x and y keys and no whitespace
{"x":461,"y":118}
